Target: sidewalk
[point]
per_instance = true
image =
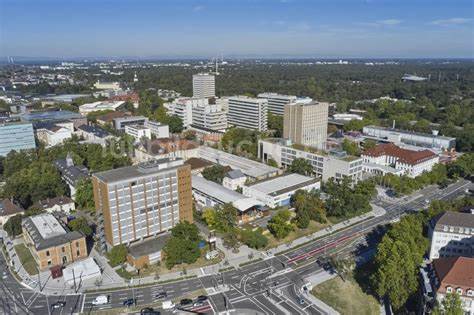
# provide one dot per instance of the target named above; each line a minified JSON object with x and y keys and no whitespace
{"x":110,"y":279}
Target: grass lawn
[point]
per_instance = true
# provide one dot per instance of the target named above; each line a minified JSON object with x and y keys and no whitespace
{"x":346,"y":297}
{"x":26,"y":259}
{"x":124,"y":273}
{"x":297,"y":233}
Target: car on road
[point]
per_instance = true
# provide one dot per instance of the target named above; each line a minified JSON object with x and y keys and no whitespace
{"x":149,"y":311}
{"x":58,"y":304}
{"x":168,"y":305}
{"x":4,"y":275}
{"x":185,"y":302}
{"x":301,"y":301}
{"x":198,"y":303}
{"x":202,"y":298}
{"x":161,"y":295}
{"x":128,"y":302}
{"x":101,"y":300}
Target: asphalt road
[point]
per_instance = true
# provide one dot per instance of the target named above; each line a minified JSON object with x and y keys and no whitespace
{"x":271,"y":286}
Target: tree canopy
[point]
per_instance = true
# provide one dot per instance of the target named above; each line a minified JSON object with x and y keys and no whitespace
{"x":301,"y":166}
{"x":280,"y":224}
{"x":183,"y":245}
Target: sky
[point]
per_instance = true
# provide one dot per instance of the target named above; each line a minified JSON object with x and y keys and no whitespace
{"x":238,"y":28}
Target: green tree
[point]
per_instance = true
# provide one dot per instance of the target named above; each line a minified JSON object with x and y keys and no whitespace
{"x":275,"y":122}
{"x":210,"y":217}
{"x":183,"y":245}
{"x":85,"y":195}
{"x":117,"y":255}
{"x":451,"y":305}
{"x":175,"y":124}
{"x":280,"y":225}
{"x":369,"y":144}
{"x":80,"y":224}
{"x":226,"y":217}
{"x":272,"y":162}
{"x":253,"y":238}
{"x":215,"y":173}
{"x":13,"y":226}
{"x":230,"y":239}
{"x":301,"y":166}
{"x":308,"y":206}
{"x":351,"y":147}
{"x":397,"y":259}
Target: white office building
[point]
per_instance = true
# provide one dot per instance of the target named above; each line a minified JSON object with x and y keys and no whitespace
{"x":248,"y":112}
{"x":138,"y":132}
{"x":277,"y":102}
{"x":200,"y":113}
{"x":99,"y":106}
{"x":204,"y":85}
{"x":453,"y":235}
{"x":277,"y":191}
{"x":326,"y":164}
{"x":158,"y":129}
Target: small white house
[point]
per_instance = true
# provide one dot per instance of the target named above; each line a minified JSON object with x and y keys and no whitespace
{"x":57,"y":204}
{"x":138,"y":132}
{"x":234,"y":179}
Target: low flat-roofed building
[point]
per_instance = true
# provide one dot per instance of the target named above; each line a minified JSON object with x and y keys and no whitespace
{"x":158,"y":129}
{"x":108,"y":118}
{"x":138,"y":132}
{"x":277,"y":191}
{"x":208,"y":194}
{"x":9,"y":209}
{"x":147,"y":252}
{"x":50,"y":243}
{"x":53,"y":134}
{"x":94,"y":134}
{"x":166,"y":148}
{"x":57,"y":204}
{"x":54,"y":116}
{"x":99,"y":106}
{"x":121,"y":122}
{"x":427,"y":140}
{"x":82,"y":270}
{"x":252,"y":169}
{"x":234,"y":179}
{"x":197,"y":165}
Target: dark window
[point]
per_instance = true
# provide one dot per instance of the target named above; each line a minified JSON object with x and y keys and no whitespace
{"x":47,"y":253}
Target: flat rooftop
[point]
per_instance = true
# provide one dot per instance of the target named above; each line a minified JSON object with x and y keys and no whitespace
{"x":141,"y":170}
{"x":51,"y":115}
{"x":249,"y":167}
{"x":281,"y":184}
{"x":215,"y":190}
{"x":148,"y":246}
{"x":46,"y":231}
{"x":410,"y":132}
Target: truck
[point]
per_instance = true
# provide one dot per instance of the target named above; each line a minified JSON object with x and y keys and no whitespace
{"x":101,"y":300}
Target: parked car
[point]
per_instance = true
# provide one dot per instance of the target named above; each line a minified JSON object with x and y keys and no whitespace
{"x":185,"y":302}
{"x":149,"y":311}
{"x":101,"y":300}
{"x":128,"y":302}
{"x":168,"y":305}
{"x":201,"y":298}
{"x":58,"y":304}
{"x":161,"y":295}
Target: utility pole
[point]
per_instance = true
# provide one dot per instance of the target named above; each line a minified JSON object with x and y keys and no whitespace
{"x":74,"y":279}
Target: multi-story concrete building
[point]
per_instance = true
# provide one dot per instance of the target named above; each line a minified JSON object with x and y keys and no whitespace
{"x":121,"y":122}
{"x":248,"y":112}
{"x":204,"y":85}
{"x":54,"y":134}
{"x":209,"y":117}
{"x":141,"y":201}
{"x":200,"y":113}
{"x":51,"y":243}
{"x":405,"y":162}
{"x":138,"y":132}
{"x":453,"y":235}
{"x":326,"y":164}
{"x":100,"y":105}
{"x":306,"y":123}
{"x":158,"y":129}
{"x":94,"y":134}
{"x":277,"y":102}
{"x":16,"y":136}
{"x":433,"y":140}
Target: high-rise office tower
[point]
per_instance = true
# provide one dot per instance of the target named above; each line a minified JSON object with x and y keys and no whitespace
{"x":16,"y":136}
{"x":143,"y":200}
{"x":248,"y":112}
{"x":204,"y":85}
{"x":277,"y":102}
{"x":306,"y":123}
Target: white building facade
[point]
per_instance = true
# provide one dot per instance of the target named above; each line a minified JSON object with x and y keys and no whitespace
{"x":204,"y":85}
{"x":158,"y":129}
{"x":247,"y":112}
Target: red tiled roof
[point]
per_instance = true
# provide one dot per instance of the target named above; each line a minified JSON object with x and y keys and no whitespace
{"x":455,"y":272}
{"x":8,"y":208}
{"x":404,"y":155}
{"x":112,"y":115}
{"x":132,"y":97}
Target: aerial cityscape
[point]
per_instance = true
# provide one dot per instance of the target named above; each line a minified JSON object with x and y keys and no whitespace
{"x":237,"y":157}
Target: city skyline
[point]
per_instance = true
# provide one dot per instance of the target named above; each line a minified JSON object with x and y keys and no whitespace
{"x":206,"y":28}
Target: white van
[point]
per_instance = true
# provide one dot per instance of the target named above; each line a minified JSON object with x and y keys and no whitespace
{"x":101,"y":300}
{"x":168,"y":305}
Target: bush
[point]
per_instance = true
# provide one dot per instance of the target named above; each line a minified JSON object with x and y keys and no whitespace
{"x":253,"y":239}
{"x":117,"y":255}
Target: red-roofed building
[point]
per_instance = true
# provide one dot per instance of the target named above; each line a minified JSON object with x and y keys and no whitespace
{"x":455,"y":275}
{"x":409,"y":162}
{"x":133,"y":97}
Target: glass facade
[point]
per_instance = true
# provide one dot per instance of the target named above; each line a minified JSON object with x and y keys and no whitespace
{"x":16,"y":136}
